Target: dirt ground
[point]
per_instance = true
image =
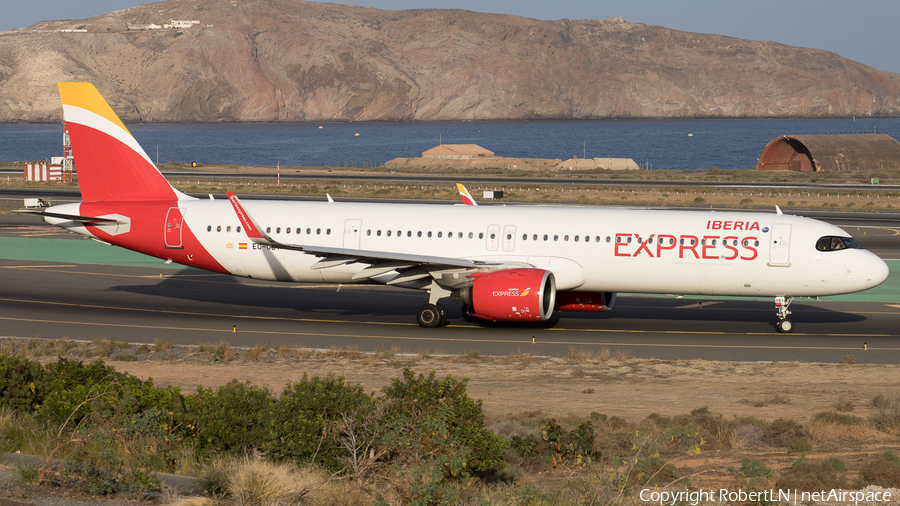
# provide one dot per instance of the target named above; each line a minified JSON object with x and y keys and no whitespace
{"x":628,"y":388}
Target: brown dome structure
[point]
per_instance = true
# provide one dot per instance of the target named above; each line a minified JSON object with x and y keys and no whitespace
{"x":831,"y":152}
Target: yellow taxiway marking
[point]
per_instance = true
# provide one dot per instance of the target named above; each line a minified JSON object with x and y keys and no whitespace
{"x":443,"y":339}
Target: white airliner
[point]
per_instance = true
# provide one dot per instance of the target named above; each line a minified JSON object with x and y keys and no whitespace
{"x":505,"y":263}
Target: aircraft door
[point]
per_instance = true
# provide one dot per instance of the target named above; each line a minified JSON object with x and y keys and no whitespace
{"x":509,"y":238}
{"x":352,"y":230}
{"x":174,"y":225}
{"x":780,"y":245}
{"x":493,"y":237}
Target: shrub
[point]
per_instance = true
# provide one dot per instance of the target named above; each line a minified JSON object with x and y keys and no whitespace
{"x":22,"y":383}
{"x":754,"y":468}
{"x":98,"y":469}
{"x":782,"y":431}
{"x":811,"y":475}
{"x":230,"y":418}
{"x":883,"y":471}
{"x":800,"y":445}
{"x":427,"y":418}
{"x":301,"y":423}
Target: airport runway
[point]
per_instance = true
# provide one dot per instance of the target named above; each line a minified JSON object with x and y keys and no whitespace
{"x":58,"y":298}
{"x":139,"y":304}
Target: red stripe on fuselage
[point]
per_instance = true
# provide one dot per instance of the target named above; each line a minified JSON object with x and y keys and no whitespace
{"x":147,"y":233}
{"x":110,"y":170}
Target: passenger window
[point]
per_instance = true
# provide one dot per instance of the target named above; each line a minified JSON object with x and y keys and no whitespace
{"x":640,"y":240}
{"x":388,"y":233}
{"x":298,"y":230}
{"x":607,"y":239}
{"x":209,"y":228}
{"x":470,"y":235}
{"x":429,"y":234}
{"x":308,"y":231}
{"x":328,"y":232}
{"x":493,"y":236}
{"x":524,"y":237}
{"x":534,"y":237}
{"x":693,"y":242}
{"x":369,"y":232}
{"x":278,"y":230}
{"x":440,"y":234}
{"x":409,"y":233}
{"x":629,"y":240}
{"x":228,"y":228}
{"x":555,"y":237}
{"x":618,"y":239}
{"x":318,"y":231}
{"x":239,"y":228}
{"x":576,"y":238}
{"x":268,"y":230}
{"x":545,"y":237}
{"x":419,"y":233}
{"x":378,"y":233}
{"x":703,"y":242}
{"x":459,"y":236}
{"x":286,"y":230}
{"x":399,"y":233}
{"x":650,"y":241}
{"x":481,"y":235}
{"x":566,"y":238}
{"x":508,"y":236}
{"x":681,"y":241}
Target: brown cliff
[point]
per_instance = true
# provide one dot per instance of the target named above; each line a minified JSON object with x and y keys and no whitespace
{"x":284,"y":60}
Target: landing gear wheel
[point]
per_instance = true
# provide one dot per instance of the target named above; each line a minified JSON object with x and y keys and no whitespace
{"x":443,"y":311}
{"x":429,"y":316}
{"x":785,"y":326}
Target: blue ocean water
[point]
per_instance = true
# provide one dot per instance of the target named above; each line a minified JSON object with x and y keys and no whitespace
{"x":660,"y":144}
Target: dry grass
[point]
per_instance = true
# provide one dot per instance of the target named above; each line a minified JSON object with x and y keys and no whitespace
{"x":258,"y":352}
{"x":822,"y":431}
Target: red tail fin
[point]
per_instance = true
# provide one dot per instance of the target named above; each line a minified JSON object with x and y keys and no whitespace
{"x":110,"y":164}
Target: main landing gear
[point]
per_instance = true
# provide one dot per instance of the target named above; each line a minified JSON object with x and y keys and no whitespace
{"x":784,"y":325}
{"x":432,"y":315}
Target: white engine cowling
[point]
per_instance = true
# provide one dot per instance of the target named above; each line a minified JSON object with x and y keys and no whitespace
{"x":512,"y":295}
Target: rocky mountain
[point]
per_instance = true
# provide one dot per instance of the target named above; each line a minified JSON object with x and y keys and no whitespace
{"x":286,"y":60}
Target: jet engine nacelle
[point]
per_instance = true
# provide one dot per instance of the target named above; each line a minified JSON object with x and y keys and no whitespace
{"x":585,"y":302}
{"x":512,"y":295}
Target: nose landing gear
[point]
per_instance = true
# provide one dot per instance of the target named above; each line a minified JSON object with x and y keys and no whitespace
{"x":784,"y":325}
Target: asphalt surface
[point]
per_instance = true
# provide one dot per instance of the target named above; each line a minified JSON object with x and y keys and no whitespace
{"x":56,"y":299}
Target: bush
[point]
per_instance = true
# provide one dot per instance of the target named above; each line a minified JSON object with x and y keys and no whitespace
{"x":301,"y":422}
{"x":98,"y":469}
{"x":22,"y":383}
{"x":231,"y":418}
{"x":883,"y":471}
{"x":426,"y":418}
{"x":809,"y":475}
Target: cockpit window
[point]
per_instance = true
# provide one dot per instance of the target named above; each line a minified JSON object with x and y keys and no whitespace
{"x":834,"y":243}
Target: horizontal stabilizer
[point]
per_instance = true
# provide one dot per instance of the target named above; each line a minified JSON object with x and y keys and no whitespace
{"x":70,"y":217}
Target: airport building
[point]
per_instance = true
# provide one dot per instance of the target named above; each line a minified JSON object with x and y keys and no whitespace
{"x":831,"y":152}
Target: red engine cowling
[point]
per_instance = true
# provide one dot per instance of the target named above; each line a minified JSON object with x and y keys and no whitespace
{"x":585,"y":302}
{"x":512,"y":295}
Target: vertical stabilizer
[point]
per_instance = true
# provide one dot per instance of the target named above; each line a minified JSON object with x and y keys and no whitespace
{"x":110,"y":164}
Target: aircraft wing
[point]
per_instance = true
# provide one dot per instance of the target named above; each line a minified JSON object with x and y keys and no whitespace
{"x":410,"y":266}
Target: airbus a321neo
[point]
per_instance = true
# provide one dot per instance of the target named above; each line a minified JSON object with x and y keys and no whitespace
{"x":504,"y":263}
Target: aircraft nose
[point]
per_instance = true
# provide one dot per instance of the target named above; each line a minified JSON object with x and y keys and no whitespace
{"x":876,"y":271}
